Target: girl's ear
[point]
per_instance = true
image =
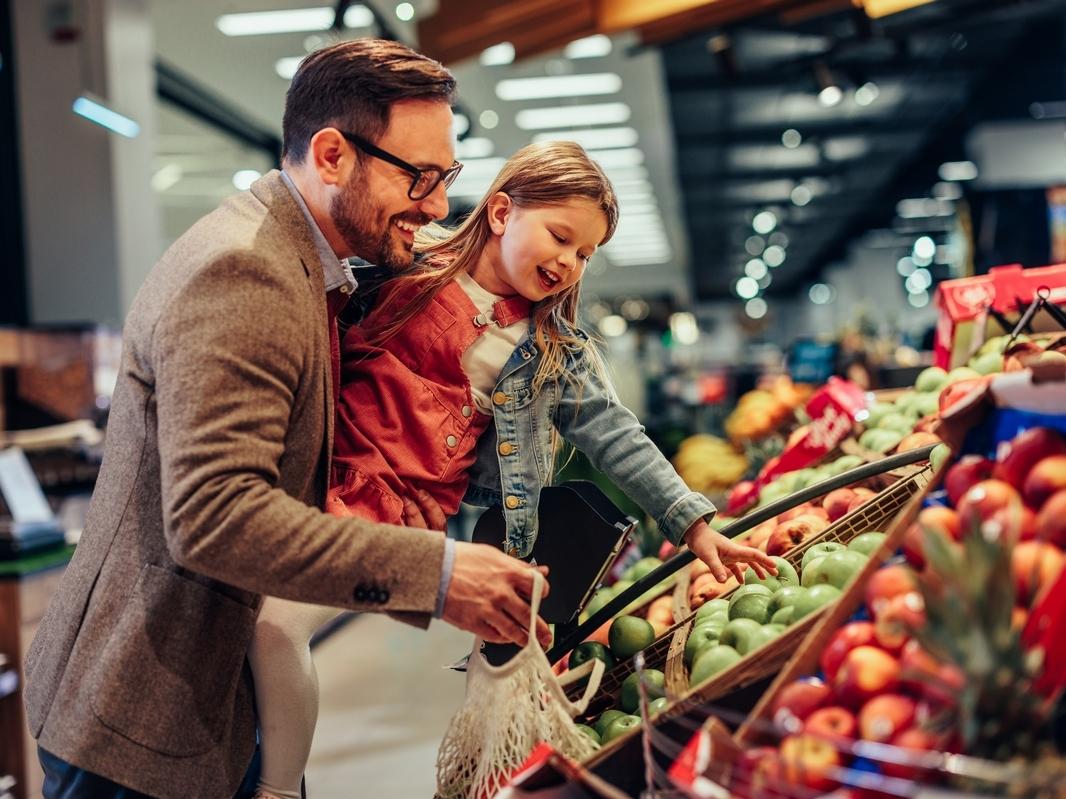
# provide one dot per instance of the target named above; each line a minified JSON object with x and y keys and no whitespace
{"x":499,"y":211}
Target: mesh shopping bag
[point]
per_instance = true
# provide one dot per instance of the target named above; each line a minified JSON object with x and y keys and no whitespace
{"x":507,"y":711}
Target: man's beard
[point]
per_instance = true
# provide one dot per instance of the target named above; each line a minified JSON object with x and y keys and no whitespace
{"x":366,"y":231}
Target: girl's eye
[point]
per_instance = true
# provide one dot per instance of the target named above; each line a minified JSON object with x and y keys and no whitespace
{"x":558,"y":238}
{"x":584,"y":257}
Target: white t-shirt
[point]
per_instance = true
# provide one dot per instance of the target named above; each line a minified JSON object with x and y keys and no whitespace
{"x":484,"y":359}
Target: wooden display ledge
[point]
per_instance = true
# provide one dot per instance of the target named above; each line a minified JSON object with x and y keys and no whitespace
{"x":26,"y":586}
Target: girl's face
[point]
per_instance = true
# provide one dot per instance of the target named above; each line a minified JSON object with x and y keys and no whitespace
{"x":542,"y":250}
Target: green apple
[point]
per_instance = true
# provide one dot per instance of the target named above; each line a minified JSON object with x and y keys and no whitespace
{"x":783,"y":616}
{"x":940,"y":453}
{"x":642,"y":568}
{"x":715,"y":620}
{"x":961,"y":373}
{"x":785,"y":598}
{"x":589,"y":731}
{"x":599,"y":599}
{"x":814,"y":598}
{"x":786,"y":575}
{"x":835,"y":569}
{"x":709,"y":663}
{"x":931,"y":379}
{"x":658,"y":705}
{"x":699,"y":639}
{"x":763,"y":636}
{"x":899,"y":422}
{"x":737,"y":633}
{"x":876,"y":412}
{"x":653,"y":682}
{"x":750,"y":602}
{"x":867,"y":543}
{"x":818,"y":551}
{"x":926,"y":404}
{"x":620,"y":726}
{"x":603,"y":722}
{"x":843,"y":463}
{"x":711,"y":607}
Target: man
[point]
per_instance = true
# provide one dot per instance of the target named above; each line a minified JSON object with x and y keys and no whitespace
{"x":218,"y":452}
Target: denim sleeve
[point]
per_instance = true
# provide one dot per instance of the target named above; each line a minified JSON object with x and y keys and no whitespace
{"x":591,"y":418}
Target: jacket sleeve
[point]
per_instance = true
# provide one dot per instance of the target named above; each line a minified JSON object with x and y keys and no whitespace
{"x":591,"y":417}
{"x":228,"y":355}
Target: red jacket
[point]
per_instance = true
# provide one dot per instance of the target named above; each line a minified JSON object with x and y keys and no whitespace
{"x":406,"y":418}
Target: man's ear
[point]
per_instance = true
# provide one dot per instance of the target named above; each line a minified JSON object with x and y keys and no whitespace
{"x":331,"y":155}
{"x":499,"y":210}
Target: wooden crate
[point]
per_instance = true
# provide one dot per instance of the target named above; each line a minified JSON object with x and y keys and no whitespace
{"x":805,"y":659}
{"x":666,"y":653}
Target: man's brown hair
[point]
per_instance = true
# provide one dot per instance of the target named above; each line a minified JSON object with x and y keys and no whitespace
{"x":352,"y":85}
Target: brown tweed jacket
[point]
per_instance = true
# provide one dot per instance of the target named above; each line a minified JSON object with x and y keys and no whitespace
{"x":216,"y":465}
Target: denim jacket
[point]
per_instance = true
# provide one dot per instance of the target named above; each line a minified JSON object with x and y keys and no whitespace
{"x":514,"y":456}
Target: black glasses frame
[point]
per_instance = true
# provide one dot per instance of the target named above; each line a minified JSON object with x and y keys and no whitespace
{"x":433,"y":176}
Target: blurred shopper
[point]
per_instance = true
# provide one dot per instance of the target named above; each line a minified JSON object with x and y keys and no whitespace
{"x":218,"y":453}
{"x":463,"y":380}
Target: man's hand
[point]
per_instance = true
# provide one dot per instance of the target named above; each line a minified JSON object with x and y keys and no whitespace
{"x":489,"y":595}
{"x":420,"y":509}
{"x":724,"y":555}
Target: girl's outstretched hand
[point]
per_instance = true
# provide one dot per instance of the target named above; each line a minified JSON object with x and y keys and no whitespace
{"x":724,"y":555}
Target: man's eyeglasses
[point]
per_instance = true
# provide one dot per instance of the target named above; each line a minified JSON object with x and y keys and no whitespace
{"x":424,"y":180}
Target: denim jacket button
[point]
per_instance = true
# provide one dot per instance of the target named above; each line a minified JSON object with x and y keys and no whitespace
{"x":499,"y":398}
{"x":451,"y":441}
{"x":512,"y":502}
{"x":466,"y":411}
{"x":506,"y":448}
{"x":512,"y":551}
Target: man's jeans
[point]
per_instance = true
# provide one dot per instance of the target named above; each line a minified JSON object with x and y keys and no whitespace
{"x":64,"y":781}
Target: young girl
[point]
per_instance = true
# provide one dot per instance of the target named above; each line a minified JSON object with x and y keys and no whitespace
{"x":461,"y":382}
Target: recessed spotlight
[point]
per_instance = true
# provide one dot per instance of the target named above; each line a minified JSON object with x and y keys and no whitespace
{"x":488,"y":119}
{"x":801,"y":195}
{"x":755,"y":245}
{"x":244,"y":178}
{"x":791,"y":138}
{"x":746,"y":287}
{"x":830,"y":96}
{"x":867,"y":94}
{"x":924,"y":247}
{"x":764,"y":221}
{"x":756,"y":308}
{"x":405,"y":12}
{"x":821,"y":294}
{"x":958,"y":170}
{"x":774,"y":255}
{"x":755,"y":268}
{"x":498,"y":55}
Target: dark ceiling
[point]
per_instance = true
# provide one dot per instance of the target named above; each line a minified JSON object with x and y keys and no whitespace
{"x":938,"y":69}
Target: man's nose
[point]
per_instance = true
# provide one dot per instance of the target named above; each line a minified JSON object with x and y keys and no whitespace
{"x":435,"y":204}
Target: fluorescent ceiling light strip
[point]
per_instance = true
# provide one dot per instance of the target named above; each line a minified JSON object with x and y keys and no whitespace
{"x":559,"y":86}
{"x":96,"y":111}
{"x":596,"y":46}
{"x":608,"y":159}
{"x":286,"y":67}
{"x":593,"y":138}
{"x":568,"y":115}
{"x":474,"y":147}
{"x":498,"y":55}
{"x":291,"y":20}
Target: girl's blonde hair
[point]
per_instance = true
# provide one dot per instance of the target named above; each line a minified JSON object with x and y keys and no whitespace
{"x":549,"y":173}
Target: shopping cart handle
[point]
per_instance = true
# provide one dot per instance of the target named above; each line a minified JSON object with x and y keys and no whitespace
{"x":732,"y":530}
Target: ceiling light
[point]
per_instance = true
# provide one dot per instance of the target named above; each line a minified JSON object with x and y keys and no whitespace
{"x":830,"y":96}
{"x":559,"y":86}
{"x":774,"y":255}
{"x":627,"y":174}
{"x":918,"y":300}
{"x":765,"y":281}
{"x":829,"y":91}
{"x":498,"y":55}
{"x":755,"y":268}
{"x":923,"y":208}
{"x":461,"y":123}
{"x":867,"y":94}
{"x":97,"y":111}
{"x":609,"y":159}
{"x":821,"y":294}
{"x":755,"y":245}
{"x":592,"y":138}
{"x":756,"y":308}
{"x":613,"y":325}
{"x":779,"y":238}
{"x":801,"y":195}
{"x":919,"y":281}
{"x":166,"y":177}
{"x":488,"y":119}
{"x":924,"y":247}
{"x":474,"y":147}
{"x":791,"y":138}
{"x":635,"y":309}
{"x":905,"y":266}
{"x":293,"y":20}
{"x":746,"y":287}
{"x":958,"y":170}
{"x":764,"y":222}
{"x":566,"y":115}
{"x":244,"y":178}
{"x":286,"y":67}
{"x":683,"y":328}
{"x":947,"y":191}
{"x":590,"y":47}
{"x":405,"y":12}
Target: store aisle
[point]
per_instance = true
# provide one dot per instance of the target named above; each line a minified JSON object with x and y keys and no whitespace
{"x":385,"y":704}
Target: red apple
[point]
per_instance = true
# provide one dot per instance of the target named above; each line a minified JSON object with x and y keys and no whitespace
{"x":799,"y":510}
{"x":914,"y":743}
{"x":667,"y":551}
{"x":809,"y":760}
{"x":1016,"y":522}
{"x":1046,"y":478}
{"x":797,"y":701}
{"x":836,"y":503}
{"x":884,"y":716}
{"x":963,"y":391}
{"x":982,"y":500}
{"x":968,"y":471}
{"x":1016,"y":458}
{"x":942,"y":519}
{"x":1051,"y":521}
{"x":834,"y":723}
{"x":792,"y":533}
{"x":886,"y":583}
{"x":866,"y":672}
{"x":851,"y":635}
{"x":898,"y":619}
{"x":1034,"y":566}
{"x":757,"y":774}
{"x":917,"y":667}
{"x":913,"y":546}
{"x":918,"y":438}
